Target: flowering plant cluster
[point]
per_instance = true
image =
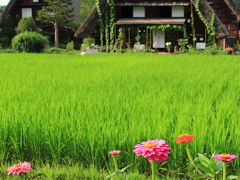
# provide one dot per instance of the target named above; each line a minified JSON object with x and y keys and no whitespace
{"x":229,"y":50}
{"x":158,"y":151}
{"x":20,"y":168}
{"x":237,"y":52}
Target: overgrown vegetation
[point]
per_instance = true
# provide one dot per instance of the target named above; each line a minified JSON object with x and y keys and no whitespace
{"x":62,"y":109}
{"x":29,"y":42}
{"x":87,"y":42}
{"x":26,"y":25}
{"x":8,"y":31}
{"x":86,"y":7}
{"x":2,"y":8}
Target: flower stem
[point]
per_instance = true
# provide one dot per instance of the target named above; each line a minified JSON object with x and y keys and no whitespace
{"x":115,"y":165}
{"x":191,"y":160}
{"x":224,"y":177}
{"x":153,"y":167}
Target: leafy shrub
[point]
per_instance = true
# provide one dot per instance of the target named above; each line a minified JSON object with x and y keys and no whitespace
{"x":54,"y":50}
{"x":87,"y":42}
{"x":62,"y":46}
{"x":8,"y":31}
{"x":29,"y":42}
{"x":182,"y":45}
{"x":236,"y":47}
{"x":210,"y":50}
{"x":70,"y":46}
{"x":213,"y":50}
{"x":26,"y":24}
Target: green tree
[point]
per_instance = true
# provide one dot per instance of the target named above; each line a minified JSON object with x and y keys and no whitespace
{"x":58,"y":13}
{"x":86,"y":7}
{"x":2,"y":8}
{"x":26,"y":24}
{"x":8,"y":31}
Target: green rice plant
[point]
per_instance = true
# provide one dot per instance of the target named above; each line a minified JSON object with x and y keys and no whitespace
{"x":62,"y":109}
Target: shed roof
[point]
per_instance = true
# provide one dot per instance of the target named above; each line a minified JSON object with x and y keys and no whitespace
{"x":152,"y":4}
{"x":172,"y":21}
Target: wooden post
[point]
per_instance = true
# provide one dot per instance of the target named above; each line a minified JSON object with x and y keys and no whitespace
{"x":56,"y":27}
{"x":129,"y":37}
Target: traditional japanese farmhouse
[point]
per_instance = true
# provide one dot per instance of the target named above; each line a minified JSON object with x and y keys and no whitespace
{"x":29,"y":8}
{"x":153,"y":23}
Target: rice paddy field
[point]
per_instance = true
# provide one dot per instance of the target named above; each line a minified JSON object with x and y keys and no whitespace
{"x":66,"y":109}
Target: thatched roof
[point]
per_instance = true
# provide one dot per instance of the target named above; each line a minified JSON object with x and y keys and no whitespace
{"x":88,"y":26}
{"x":90,"y":23}
{"x":6,"y":11}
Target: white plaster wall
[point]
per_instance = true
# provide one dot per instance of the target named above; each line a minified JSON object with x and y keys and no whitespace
{"x":177,"y":11}
{"x":138,"y":12}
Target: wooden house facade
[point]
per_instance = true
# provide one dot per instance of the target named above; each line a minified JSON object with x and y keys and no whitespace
{"x":151,"y":22}
{"x":19,"y":9}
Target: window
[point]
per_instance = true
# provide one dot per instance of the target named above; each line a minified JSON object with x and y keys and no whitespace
{"x":127,"y":12}
{"x":35,"y":1}
{"x":178,"y":11}
{"x":138,"y":12}
{"x":165,"y":11}
{"x":26,"y":12}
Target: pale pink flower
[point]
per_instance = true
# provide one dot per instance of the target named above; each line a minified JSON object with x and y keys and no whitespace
{"x":19,"y":168}
{"x":154,"y":150}
{"x":115,"y":152}
{"x":224,"y":157}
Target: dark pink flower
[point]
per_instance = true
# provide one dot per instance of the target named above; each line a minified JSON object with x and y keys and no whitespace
{"x":154,"y":150}
{"x":115,"y":152}
{"x":224,"y":157}
{"x":19,"y":168}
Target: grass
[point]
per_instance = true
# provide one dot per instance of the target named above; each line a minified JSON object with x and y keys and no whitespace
{"x":63,"y":109}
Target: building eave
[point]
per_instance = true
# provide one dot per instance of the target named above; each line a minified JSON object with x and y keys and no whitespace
{"x":147,"y":21}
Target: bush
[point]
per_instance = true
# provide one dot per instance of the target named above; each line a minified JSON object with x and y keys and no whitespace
{"x":29,"y":42}
{"x":87,"y":42}
{"x":70,"y":46}
{"x":8,"y":31}
{"x":26,"y":24}
{"x":210,"y":50}
{"x":54,"y":50}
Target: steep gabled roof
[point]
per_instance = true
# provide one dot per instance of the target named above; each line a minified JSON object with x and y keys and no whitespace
{"x":90,"y":23}
{"x":88,"y":26}
{"x":6,"y":11}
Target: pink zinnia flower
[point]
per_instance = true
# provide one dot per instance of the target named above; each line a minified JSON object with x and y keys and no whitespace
{"x":154,"y":150}
{"x":115,"y":152}
{"x":19,"y":168}
{"x":224,"y":157}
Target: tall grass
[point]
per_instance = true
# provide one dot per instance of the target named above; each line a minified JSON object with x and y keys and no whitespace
{"x":72,"y":109}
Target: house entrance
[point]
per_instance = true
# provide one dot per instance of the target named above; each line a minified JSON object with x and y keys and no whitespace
{"x":158,"y":39}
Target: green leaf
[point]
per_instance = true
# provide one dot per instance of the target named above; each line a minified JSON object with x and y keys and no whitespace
{"x":233,"y":177}
{"x":203,"y":158}
{"x":203,"y":168}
